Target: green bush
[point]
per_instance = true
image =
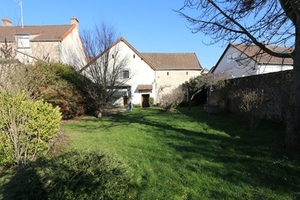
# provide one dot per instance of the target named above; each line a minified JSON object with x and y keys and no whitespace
{"x":26,"y":128}
{"x":55,"y":83}
{"x":72,"y":175}
{"x":68,"y":92}
{"x":151,"y":101}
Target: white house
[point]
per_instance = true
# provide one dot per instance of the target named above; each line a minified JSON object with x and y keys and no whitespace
{"x":149,"y":74}
{"x":240,"y":60}
{"x":50,"y":43}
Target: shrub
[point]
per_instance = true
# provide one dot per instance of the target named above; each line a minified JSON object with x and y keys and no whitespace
{"x":151,"y":101}
{"x":72,"y":175}
{"x":249,"y":102}
{"x":68,"y":92}
{"x":55,"y":83}
{"x":172,"y":99}
{"x":26,"y":127}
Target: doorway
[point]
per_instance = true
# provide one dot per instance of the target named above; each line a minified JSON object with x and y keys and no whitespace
{"x":125,"y":100}
{"x":145,"y":100}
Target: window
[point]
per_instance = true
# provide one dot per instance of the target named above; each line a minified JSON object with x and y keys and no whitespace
{"x":167,"y":73}
{"x":23,"y":41}
{"x":186,"y":73}
{"x":125,"y":74}
{"x":133,"y":55}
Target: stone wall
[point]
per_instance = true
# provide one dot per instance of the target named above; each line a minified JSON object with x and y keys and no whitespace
{"x":273,"y":87}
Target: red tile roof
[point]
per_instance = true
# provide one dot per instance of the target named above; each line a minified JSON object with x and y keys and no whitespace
{"x":40,"y":33}
{"x":159,"y":61}
{"x":173,"y":61}
{"x":260,"y":56}
{"x":144,"y":87}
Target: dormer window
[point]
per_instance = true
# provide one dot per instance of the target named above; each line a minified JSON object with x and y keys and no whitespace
{"x":23,"y":41}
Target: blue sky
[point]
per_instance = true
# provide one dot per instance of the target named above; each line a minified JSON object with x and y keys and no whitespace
{"x":150,"y":26}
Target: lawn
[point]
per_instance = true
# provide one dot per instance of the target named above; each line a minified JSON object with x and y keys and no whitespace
{"x":193,"y":155}
{"x":150,"y":154}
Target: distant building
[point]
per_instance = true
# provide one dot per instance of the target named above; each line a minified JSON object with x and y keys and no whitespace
{"x":50,"y":43}
{"x":240,"y":60}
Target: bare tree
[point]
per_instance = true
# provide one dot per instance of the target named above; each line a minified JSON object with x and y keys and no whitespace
{"x":105,"y":67}
{"x":254,"y":22}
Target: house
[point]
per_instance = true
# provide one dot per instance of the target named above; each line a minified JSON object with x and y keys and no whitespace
{"x":50,"y":43}
{"x":240,"y":60}
{"x":148,"y":75}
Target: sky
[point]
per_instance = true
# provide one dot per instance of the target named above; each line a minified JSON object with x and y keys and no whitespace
{"x":149,"y":26}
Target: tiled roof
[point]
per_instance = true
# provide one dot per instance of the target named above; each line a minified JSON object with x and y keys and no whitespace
{"x":159,"y":61}
{"x":173,"y":61}
{"x":39,"y":33}
{"x":144,"y":87}
{"x":260,"y":56}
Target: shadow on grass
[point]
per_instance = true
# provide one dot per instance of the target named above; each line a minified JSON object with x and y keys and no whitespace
{"x":236,"y":156}
{"x":73,"y":175}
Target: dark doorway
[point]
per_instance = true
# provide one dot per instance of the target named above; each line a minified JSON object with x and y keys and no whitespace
{"x":145,"y":100}
{"x":125,"y":100}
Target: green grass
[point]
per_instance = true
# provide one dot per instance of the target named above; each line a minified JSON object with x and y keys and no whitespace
{"x":158,"y":155}
{"x":193,"y":155}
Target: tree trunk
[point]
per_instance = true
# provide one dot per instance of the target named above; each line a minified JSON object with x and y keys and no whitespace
{"x":292,"y":136}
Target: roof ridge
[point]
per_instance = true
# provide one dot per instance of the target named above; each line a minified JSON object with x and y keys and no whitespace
{"x":42,"y":25}
{"x":169,"y":52}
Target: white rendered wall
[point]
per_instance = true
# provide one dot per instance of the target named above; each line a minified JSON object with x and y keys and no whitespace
{"x":140,"y":73}
{"x":268,"y":68}
{"x":231,"y":68}
{"x":246,"y":67}
{"x":72,"y":51}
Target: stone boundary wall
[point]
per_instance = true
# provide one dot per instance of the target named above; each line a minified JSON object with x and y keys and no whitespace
{"x":274,"y":87}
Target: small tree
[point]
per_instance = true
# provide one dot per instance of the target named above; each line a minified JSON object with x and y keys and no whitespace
{"x":26,"y":127}
{"x":105,"y":67}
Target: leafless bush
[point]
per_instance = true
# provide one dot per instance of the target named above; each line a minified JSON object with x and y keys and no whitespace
{"x":172,"y":99}
{"x":250,"y":102}
{"x":60,"y":143}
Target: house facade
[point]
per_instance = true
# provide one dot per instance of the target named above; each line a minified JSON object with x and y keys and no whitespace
{"x":50,"y":43}
{"x":148,"y":75}
{"x":240,"y":60}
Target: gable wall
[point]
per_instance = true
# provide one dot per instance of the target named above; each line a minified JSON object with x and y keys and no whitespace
{"x":231,"y":68}
{"x":72,"y":51}
{"x":139,"y":71}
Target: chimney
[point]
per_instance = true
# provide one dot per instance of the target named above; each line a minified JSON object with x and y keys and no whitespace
{"x":75,"y":21}
{"x":6,"y":22}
